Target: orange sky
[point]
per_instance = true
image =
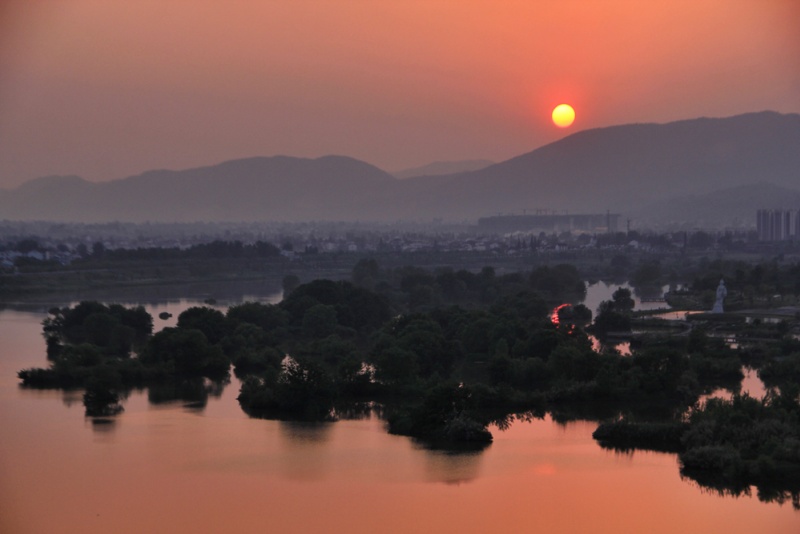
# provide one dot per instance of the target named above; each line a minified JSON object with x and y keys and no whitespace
{"x":109,"y":88}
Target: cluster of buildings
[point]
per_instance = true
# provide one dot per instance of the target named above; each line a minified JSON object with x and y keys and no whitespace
{"x":778,"y":225}
{"x":10,"y":258}
{"x":550,"y":222}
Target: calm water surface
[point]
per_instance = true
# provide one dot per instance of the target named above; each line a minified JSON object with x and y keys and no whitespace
{"x":600,"y":291}
{"x":174,"y":468}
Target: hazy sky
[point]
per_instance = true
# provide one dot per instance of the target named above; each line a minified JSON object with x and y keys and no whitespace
{"x":109,"y":88}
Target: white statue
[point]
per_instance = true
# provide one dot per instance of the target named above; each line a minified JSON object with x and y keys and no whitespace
{"x":722,"y":292}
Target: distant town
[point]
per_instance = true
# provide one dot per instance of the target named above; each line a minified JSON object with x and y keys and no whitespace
{"x":503,"y":235}
{"x":599,"y":241}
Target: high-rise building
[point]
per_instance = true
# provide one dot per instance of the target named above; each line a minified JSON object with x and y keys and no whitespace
{"x":778,"y":225}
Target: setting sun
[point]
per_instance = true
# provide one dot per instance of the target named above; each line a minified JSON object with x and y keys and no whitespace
{"x":563,"y":115}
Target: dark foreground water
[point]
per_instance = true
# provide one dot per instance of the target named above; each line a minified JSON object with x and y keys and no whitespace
{"x":176,"y":468}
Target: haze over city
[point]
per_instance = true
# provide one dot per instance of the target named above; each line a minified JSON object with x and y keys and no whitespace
{"x":105,"y":90}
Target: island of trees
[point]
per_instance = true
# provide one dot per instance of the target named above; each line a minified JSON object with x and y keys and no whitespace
{"x":443,"y":354}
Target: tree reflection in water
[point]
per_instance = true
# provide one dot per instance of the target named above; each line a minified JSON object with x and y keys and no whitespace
{"x":708,"y":483}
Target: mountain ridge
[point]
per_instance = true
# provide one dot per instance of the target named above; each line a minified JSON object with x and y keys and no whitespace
{"x":439,"y":168}
{"x":621,"y":168}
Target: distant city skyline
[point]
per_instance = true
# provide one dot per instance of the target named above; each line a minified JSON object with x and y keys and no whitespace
{"x":108,"y":89}
{"x":778,"y":224}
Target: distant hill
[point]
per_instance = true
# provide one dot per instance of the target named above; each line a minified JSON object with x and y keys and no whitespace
{"x":732,"y":207}
{"x":439,"y":168}
{"x":622,"y":168}
{"x":629,"y":169}
{"x":276,"y":188}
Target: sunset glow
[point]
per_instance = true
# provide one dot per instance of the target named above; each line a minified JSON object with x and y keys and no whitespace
{"x":105,"y":90}
{"x":359,"y":266}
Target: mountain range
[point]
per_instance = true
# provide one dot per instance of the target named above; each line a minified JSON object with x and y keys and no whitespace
{"x":438,"y":168}
{"x":713,"y":170}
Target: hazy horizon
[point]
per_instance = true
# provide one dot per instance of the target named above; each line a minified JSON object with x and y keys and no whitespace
{"x":414,"y":171}
{"x":106,"y":90}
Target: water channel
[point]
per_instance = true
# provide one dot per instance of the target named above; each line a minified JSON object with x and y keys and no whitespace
{"x":177,"y":467}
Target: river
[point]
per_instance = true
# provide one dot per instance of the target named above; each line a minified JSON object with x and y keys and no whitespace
{"x":176,"y":468}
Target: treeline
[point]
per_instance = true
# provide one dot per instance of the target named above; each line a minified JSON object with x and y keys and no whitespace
{"x":415,"y":288}
{"x":749,"y":285}
{"x":728,"y":445}
{"x":492,"y":335}
{"x":740,"y":276}
{"x":445,"y":353}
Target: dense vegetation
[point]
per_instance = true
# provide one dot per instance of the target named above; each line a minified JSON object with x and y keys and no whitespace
{"x":728,"y":445}
{"x":32,"y":265}
{"x":445,"y":353}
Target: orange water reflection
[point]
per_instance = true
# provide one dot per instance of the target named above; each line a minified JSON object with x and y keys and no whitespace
{"x":169,"y":468}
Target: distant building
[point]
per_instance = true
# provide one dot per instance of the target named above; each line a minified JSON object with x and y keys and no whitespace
{"x":778,"y":225}
{"x":592,"y":223}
